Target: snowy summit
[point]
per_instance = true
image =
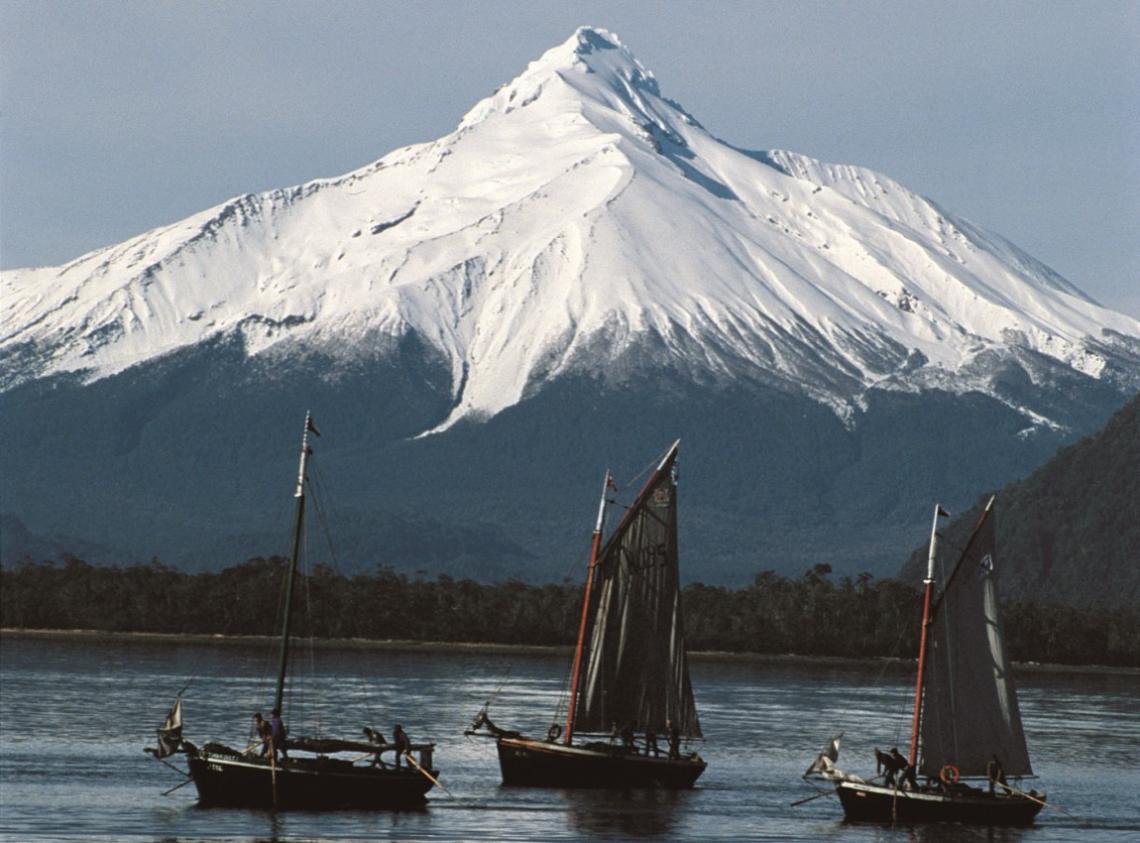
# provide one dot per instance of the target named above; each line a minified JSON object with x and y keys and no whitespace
{"x":577,"y":219}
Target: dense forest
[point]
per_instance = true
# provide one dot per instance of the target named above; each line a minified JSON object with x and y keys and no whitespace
{"x":809,"y":615}
{"x":1070,"y":532}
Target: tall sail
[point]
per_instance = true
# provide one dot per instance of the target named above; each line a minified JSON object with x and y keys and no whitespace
{"x":636,"y":666}
{"x":970,"y":708}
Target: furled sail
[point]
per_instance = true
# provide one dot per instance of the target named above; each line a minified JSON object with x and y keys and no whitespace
{"x":636,"y":666}
{"x":970,"y":711}
{"x":170,"y":734}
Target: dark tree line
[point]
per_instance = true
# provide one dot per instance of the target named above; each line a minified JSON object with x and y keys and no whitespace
{"x":811,"y":615}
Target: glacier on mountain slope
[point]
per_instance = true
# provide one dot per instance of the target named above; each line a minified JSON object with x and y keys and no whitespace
{"x":575,"y":219}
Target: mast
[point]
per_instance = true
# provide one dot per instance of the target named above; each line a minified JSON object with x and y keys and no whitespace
{"x":595,"y":546}
{"x":633,"y":662}
{"x":289,"y":576}
{"x":928,"y":589}
{"x":970,"y":710}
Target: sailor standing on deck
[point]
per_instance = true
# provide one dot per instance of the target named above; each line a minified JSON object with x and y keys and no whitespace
{"x":627,"y":736}
{"x":904,"y":767}
{"x":277,"y":735}
{"x":400,"y":739}
{"x":651,"y":741}
{"x":674,"y":739}
{"x":995,"y":772}
{"x":264,"y":733}
{"x":885,"y":762}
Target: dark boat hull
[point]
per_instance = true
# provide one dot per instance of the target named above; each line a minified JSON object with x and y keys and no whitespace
{"x":873,"y":803}
{"x":531,"y":763}
{"x":311,"y":783}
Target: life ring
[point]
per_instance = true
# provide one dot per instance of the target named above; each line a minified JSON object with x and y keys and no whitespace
{"x":554,"y":732}
{"x":949,"y":775}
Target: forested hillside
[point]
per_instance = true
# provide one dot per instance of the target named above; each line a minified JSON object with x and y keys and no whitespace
{"x":1069,"y":534}
{"x":809,"y":615}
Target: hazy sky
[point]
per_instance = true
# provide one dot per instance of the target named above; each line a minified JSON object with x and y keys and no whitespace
{"x":1021,"y":116}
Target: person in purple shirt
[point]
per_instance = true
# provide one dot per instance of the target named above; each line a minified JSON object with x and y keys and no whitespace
{"x":277,"y":734}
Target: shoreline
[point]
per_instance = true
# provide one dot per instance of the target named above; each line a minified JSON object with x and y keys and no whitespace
{"x":490,"y":648}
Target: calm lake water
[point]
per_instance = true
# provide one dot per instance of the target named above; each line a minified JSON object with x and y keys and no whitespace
{"x":75,"y":714}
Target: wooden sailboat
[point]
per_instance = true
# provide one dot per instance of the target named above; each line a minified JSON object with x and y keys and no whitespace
{"x":966,"y":723}
{"x":315,"y":774}
{"x":630,"y":670}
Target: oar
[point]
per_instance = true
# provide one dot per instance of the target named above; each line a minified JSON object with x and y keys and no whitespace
{"x":819,"y":795}
{"x":428,"y":775}
{"x":189,"y":778}
{"x":171,"y":766}
{"x":180,"y":784}
{"x":1040,"y":802}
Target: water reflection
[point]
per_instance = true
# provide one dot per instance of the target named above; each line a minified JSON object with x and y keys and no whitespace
{"x":70,"y":708}
{"x":940,"y":833}
{"x":634,"y":813}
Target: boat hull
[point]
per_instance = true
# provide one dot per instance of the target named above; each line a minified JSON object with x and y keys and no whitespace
{"x":532,"y":763}
{"x":873,"y":803}
{"x":310,"y":783}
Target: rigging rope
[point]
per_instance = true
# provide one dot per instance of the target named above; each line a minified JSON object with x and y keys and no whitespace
{"x":269,"y":652}
{"x":318,"y":497}
{"x":901,"y":707}
{"x":317,"y":485}
{"x":652,"y":465}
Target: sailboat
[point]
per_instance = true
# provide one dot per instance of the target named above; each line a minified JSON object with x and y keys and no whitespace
{"x":630,"y":670}
{"x":966,"y":724}
{"x":313,"y":772}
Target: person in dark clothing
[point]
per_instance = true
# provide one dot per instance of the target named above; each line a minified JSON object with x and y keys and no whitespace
{"x":264,"y":733}
{"x":400,"y":739}
{"x":885,"y":763}
{"x":995,"y":772}
{"x":651,"y":741}
{"x":277,"y":735}
{"x":627,"y":736}
{"x":378,"y":739}
{"x":904,"y":767}
{"x":674,"y":740}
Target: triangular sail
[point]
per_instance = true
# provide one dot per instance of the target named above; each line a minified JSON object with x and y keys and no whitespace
{"x":970,"y":711}
{"x":636,"y":666}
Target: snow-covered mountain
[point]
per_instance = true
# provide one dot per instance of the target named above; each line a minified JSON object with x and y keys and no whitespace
{"x":574,"y":219}
{"x":576,"y":276}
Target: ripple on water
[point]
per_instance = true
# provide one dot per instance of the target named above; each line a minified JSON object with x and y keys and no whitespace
{"x":75,"y":715}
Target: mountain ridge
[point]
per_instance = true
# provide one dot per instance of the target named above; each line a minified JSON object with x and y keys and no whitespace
{"x":784,"y":263}
{"x":577,"y":275}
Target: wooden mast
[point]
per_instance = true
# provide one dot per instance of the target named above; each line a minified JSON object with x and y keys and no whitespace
{"x":290,"y":574}
{"x":595,"y":546}
{"x":928,"y":590}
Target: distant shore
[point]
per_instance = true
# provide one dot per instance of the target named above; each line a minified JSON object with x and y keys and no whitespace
{"x":488,"y":648}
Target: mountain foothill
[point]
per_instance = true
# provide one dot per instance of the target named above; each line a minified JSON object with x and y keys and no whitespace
{"x":578,"y":275}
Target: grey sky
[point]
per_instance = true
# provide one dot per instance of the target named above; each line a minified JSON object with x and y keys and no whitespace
{"x":1021,"y":116}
